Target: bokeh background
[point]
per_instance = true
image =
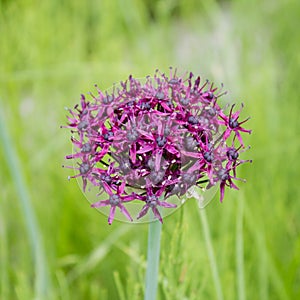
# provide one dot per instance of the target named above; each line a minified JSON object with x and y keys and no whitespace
{"x":52,"y":244}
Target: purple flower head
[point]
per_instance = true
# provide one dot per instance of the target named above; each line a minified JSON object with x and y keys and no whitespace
{"x":147,"y":143}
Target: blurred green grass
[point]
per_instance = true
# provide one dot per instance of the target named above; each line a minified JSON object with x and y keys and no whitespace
{"x":52,"y":51}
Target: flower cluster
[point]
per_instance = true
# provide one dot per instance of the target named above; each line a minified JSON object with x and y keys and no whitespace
{"x":147,"y":141}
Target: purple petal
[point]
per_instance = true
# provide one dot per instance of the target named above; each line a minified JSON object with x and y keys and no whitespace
{"x":157,"y":214}
{"x":197,"y":166}
{"x":122,"y":187}
{"x":222,"y":190}
{"x":166,"y":204}
{"x":129,"y":198}
{"x":165,"y":106}
{"x":191,"y":154}
{"x":111,"y":214}
{"x":109,"y":110}
{"x":101,"y":203}
{"x":226,"y":134}
{"x":233,"y":186}
{"x":172,"y":149}
{"x":245,"y":130}
{"x":159,"y":129}
{"x":235,"y":115}
{"x":158,"y":160}
{"x":84,"y":183}
{"x":239,"y":138}
{"x":146,"y":134}
{"x":145,"y":149}
{"x":143,"y":211}
{"x":133,"y":153}
{"x":75,"y":155}
{"x":125,"y":212}
{"x":160,"y":192}
{"x":107,"y":188}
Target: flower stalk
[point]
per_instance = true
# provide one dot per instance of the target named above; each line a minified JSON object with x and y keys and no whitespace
{"x":153,"y":253}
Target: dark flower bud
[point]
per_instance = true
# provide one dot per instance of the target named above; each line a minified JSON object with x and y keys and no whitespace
{"x":160,"y":95}
{"x":193,"y":120}
{"x":145,"y":105}
{"x":132,"y":135}
{"x":84,"y":168}
{"x":189,"y":178}
{"x":157,"y":176}
{"x":106,"y":178}
{"x":108,"y":135}
{"x":83,"y":125}
{"x":151,"y":200}
{"x":184,"y":101}
{"x":233,"y":123}
{"x":232,"y":154}
{"x":209,"y":96}
{"x":161,"y":141}
{"x":173,"y":81}
{"x":208,"y":156}
{"x":108,"y":99}
{"x":114,"y":200}
{"x":223,"y":174}
{"x":86,"y":148}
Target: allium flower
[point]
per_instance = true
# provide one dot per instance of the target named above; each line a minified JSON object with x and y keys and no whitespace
{"x":232,"y":124}
{"x":145,"y":142}
{"x":115,"y":200}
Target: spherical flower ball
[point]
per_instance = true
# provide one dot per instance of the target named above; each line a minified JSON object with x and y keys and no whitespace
{"x":147,"y":142}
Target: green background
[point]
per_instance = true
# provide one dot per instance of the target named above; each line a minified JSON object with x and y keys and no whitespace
{"x":52,"y":244}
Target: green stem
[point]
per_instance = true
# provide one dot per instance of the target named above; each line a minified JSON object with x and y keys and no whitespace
{"x":240,"y":251}
{"x":41,"y":269}
{"x":211,"y":254}
{"x":152,"y":259}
